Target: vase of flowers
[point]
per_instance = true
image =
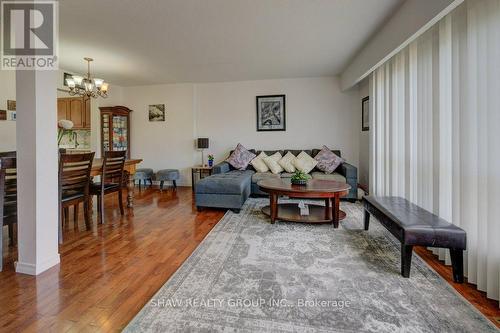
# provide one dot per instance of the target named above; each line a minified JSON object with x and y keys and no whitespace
{"x":65,"y":127}
{"x":210,"y":160}
{"x":299,"y":178}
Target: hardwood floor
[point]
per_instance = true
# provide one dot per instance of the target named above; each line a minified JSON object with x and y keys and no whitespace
{"x":107,"y":274}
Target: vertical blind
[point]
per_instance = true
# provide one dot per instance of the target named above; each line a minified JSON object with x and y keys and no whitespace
{"x":435,"y":136}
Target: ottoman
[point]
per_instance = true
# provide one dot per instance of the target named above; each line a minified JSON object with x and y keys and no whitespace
{"x":224,"y":190}
{"x":144,"y":174}
{"x":167,"y":175}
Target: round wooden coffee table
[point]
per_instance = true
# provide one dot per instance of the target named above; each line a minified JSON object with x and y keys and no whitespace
{"x":329,"y":190}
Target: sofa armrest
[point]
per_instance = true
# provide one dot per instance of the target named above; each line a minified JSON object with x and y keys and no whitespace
{"x":222,"y":167}
{"x":348,"y":171}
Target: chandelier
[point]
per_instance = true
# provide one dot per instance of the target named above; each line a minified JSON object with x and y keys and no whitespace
{"x":87,"y":86}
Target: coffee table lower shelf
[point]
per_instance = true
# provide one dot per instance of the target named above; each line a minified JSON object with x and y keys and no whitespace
{"x":290,"y":212}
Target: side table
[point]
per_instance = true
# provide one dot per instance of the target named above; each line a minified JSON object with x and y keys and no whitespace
{"x":201,"y":171}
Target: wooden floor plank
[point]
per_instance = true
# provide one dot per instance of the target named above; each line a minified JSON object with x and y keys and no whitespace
{"x":109,"y":273}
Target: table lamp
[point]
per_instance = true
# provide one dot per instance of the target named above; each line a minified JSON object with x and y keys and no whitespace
{"x":202,"y":143}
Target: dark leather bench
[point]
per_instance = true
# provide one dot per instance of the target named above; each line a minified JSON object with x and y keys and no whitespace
{"x":413,"y":225}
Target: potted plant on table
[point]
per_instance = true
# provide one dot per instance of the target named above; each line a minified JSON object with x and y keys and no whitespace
{"x":299,"y":178}
{"x":210,"y":160}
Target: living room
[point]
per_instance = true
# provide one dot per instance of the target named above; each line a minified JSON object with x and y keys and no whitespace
{"x":250,"y":166}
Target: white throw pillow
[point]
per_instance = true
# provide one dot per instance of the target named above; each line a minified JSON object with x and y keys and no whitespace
{"x":258,"y":163}
{"x":304,"y":162}
{"x":286,"y":162}
{"x":272,"y":163}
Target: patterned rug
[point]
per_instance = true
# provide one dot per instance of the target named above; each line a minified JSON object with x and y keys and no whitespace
{"x":251,"y":276}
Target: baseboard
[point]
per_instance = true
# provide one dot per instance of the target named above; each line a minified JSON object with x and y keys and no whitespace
{"x":35,"y":269}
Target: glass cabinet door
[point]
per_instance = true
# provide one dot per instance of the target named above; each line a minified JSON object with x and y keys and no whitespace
{"x":120,"y":133}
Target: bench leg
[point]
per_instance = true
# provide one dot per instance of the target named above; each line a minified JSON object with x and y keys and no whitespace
{"x":367,"y":219}
{"x":457,"y":263}
{"x":406,"y":253}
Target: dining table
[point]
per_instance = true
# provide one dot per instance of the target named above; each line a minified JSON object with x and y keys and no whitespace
{"x":130,"y":167}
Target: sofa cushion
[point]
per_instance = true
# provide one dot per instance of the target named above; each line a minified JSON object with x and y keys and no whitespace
{"x":232,"y":182}
{"x":286,"y":162}
{"x":272,"y":163}
{"x":258,"y":176}
{"x":327,"y":160}
{"x":331,"y":176}
{"x":305,"y":162}
{"x":258,"y":163}
{"x":240,"y":157}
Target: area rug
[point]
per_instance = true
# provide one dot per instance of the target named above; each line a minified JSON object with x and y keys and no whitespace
{"x":251,"y":276}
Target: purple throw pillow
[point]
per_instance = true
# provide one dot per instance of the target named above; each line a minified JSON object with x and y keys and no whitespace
{"x":240,"y":158}
{"x":327,"y":160}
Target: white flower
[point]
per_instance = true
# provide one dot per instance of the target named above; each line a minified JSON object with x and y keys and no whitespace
{"x":65,"y":124}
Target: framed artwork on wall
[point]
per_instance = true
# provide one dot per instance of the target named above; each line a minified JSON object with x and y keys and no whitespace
{"x":157,"y":112}
{"x":3,"y":115}
{"x":365,"y":114}
{"x":11,"y":105}
{"x":271,"y":113}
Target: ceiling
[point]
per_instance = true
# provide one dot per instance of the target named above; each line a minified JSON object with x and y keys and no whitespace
{"x":171,"y":41}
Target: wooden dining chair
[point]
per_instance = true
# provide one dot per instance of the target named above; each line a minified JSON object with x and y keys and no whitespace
{"x":8,"y":199}
{"x":74,"y":185}
{"x":112,"y":180}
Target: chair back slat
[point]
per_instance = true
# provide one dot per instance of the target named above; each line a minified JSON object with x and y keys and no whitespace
{"x":8,"y":187}
{"x":74,"y":172}
{"x":112,"y":166}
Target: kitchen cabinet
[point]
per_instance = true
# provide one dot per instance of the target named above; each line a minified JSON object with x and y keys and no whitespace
{"x":76,"y":109}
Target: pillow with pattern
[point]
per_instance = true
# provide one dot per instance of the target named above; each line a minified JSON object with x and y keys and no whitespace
{"x":240,"y":158}
{"x":328,"y":161}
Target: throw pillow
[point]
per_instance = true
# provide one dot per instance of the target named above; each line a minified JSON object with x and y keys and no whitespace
{"x":240,"y":158}
{"x":327,"y":160}
{"x":272,"y":163}
{"x":258,"y":163}
{"x":286,"y":162}
{"x":304,"y":162}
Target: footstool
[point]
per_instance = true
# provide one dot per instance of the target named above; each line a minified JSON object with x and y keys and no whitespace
{"x":167,"y":175}
{"x":224,"y":190}
{"x":144,"y":174}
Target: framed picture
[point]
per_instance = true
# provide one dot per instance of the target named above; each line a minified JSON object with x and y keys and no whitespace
{"x":3,"y":115}
{"x":271,"y":113}
{"x":12,"y":115}
{"x":365,"y":114}
{"x":157,"y":112}
{"x":11,"y":105}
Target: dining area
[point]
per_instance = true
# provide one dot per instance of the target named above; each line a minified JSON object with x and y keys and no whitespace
{"x":81,"y":178}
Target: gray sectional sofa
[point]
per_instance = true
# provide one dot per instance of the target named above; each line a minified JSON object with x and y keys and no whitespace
{"x":230,"y":188}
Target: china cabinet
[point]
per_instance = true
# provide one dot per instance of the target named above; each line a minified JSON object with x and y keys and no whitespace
{"x":115,"y":129}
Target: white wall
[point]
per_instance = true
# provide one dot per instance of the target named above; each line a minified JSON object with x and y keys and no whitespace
{"x":317,"y":113}
{"x":7,"y":127}
{"x":168,"y":144}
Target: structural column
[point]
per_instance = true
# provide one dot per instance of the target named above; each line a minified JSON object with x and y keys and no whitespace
{"x":37,"y":163}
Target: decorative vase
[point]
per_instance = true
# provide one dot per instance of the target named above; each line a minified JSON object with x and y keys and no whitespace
{"x":210,"y":163}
